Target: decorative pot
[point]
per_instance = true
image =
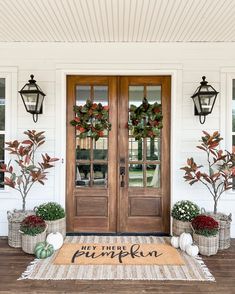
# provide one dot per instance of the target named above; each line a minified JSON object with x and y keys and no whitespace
{"x":224,"y":228}
{"x":15,"y":218}
{"x":180,"y":227}
{"x":55,"y":226}
{"x":29,"y":242}
{"x":207,"y":245}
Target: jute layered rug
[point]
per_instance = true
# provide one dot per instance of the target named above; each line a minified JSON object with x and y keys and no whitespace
{"x":118,"y":258}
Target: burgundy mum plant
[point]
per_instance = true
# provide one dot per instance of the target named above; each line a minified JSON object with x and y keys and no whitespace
{"x":26,"y":171}
{"x":205,"y":225}
{"x":220,"y":168}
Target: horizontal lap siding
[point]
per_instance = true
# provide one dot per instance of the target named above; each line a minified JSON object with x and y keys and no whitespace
{"x":196,"y":60}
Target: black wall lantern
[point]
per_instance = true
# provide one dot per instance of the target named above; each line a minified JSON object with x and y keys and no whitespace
{"x":204,"y":100}
{"x":33,"y":97}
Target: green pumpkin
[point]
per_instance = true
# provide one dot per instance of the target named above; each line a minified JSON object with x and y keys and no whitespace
{"x":43,"y":250}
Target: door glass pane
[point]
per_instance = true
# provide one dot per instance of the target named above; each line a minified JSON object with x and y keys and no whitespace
{"x":136,"y":175}
{"x":101,"y":95}
{"x":1,"y":159}
{"x":154,"y":94}
{"x":135,"y":149}
{"x":100,"y":172}
{"x":83,"y":148}
{"x":82,"y":94}
{"x":100,"y":148}
{"x":2,"y":104}
{"x":83,"y":174}
{"x":136,"y":95}
{"x":153,"y":175}
{"x":153,"y":148}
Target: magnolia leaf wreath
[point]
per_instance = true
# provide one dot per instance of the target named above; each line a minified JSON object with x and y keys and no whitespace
{"x":91,"y":120}
{"x":145,"y":120}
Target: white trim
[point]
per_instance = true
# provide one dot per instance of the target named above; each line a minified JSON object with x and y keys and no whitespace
{"x":10,"y":75}
{"x":176,"y":109}
{"x":227,"y":75}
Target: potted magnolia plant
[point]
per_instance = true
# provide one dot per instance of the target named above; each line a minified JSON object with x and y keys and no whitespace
{"x":206,"y":234}
{"x":33,"y":229}
{"x":216,"y":177}
{"x":54,"y":216}
{"x":23,"y":175}
{"x":183,"y":212}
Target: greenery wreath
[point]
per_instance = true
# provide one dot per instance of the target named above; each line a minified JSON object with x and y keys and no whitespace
{"x":91,"y":120}
{"x":145,"y":120}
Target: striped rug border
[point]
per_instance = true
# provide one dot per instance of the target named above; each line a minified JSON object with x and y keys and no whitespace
{"x":193,"y":270}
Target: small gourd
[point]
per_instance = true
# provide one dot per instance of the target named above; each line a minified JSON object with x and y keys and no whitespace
{"x":192,"y":250}
{"x":185,"y":239}
{"x":43,"y":250}
{"x":175,"y":241}
{"x":55,"y":239}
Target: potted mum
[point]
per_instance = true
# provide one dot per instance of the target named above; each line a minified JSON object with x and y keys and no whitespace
{"x":216,"y":177}
{"x":206,"y":234}
{"x":33,"y":230}
{"x":183,"y":212}
{"x":23,"y":175}
{"x":54,"y":216}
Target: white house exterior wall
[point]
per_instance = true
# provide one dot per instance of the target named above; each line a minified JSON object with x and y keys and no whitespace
{"x":186,"y":62}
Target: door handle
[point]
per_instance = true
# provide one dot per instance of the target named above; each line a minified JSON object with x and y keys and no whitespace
{"x":122,"y":174}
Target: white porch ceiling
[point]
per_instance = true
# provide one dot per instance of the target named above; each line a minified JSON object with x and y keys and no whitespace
{"x":117,"y":20}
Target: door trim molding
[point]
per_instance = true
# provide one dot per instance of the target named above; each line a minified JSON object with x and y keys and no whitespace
{"x":173,"y":70}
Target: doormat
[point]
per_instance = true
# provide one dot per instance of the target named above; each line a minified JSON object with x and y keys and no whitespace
{"x":187,"y":268}
{"x":118,"y":254}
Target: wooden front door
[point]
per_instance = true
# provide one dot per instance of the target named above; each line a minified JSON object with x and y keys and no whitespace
{"x":117,"y":184}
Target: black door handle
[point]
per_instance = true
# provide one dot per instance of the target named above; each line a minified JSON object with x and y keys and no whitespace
{"x":122,"y":174}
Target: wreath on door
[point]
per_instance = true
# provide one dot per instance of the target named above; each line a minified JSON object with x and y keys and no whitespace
{"x":145,"y":120}
{"x":91,"y":120}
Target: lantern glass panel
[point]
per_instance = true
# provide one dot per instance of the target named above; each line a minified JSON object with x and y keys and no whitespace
{"x":207,"y":102}
{"x":30,"y":100}
{"x":39,"y":104}
{"x":197,"y":104}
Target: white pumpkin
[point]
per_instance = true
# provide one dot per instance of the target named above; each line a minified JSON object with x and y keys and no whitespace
{"x":175,"y":241}
{"x":55,"y":239}
{"x":185,"y":239}
{"x":192,"y":250}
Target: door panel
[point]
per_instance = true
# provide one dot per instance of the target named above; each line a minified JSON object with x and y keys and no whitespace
{"x":145,"y":196}
{"x":118,"y":184}
{"x":91,"y":165}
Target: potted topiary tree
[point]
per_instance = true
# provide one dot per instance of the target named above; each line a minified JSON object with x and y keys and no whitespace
{"x":183,"y":212}
{"x":23,"y":176}
{"x":206,"y":234}
{"x":216,"y":177}
{"x":54,"y":216}
{"x":33,"y":230}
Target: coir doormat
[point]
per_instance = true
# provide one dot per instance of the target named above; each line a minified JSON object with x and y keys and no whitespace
{"x":131,"y":247}
{"x":117,"y":254}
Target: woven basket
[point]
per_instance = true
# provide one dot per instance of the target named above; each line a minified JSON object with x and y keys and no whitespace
{"x":207,"y":245}
{"x":14,"y":220}
{"x":224,"y":228}
{"x":29,"y":242}
{"x":180,"y":227}
{"x":58,"y":225}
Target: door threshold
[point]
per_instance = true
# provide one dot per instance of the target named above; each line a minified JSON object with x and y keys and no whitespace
{"x":157,"y":234}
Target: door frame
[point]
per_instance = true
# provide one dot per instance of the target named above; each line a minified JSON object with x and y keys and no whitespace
{"x":63,"y":70}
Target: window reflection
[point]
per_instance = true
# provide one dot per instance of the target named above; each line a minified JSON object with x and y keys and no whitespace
{"x":100,"y":174}
{"x":153,"y":175}
{"x":83,"y":175}
{"x":135,"y":149}
{"x":100,"y":148}
{"x":136,"y":175}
